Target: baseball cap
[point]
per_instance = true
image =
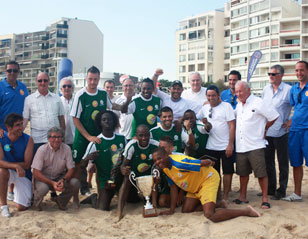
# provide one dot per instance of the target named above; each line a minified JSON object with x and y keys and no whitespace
{"x":177,"y":82}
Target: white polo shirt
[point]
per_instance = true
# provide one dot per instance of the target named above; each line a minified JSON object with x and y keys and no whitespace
{"x":178,"y":107}
{"x":251,"y":119}
{"x":199,"y":97}
{"x":220,"y":132}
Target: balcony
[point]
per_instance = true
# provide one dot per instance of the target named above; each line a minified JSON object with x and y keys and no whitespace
{"x":61,"y":54}
{"x":61,"y":45}
{"x":46,"y":65}
{"x":61,"y":35}
{"x":45,"y":38}
{"x":62,"y":26}
{"x":44,"y":56}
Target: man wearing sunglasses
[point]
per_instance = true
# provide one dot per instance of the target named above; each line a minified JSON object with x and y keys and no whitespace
{"x":229,"y":94}
{"x":220,"y":143}
{"x":12,"y":93}
{"x":44,"y":110}
{"x":67,"y":88}
{"x":298,"y":135}
{"x":277,"y":94}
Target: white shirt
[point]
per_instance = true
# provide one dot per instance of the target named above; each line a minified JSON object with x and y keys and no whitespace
{"x":281,"y":101}
{"x":251,"y":119}
{"x":43,"y":113}
{"x":125,"y":119}
{"x":220,"y":133}
{"x":69,"y":124}
{"x":199,"y":97}
{"x":178,"y":107}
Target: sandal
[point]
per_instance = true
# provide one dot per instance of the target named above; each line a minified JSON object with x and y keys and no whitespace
{"x":265,"y":205}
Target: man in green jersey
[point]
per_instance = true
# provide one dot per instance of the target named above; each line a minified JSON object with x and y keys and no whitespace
{"x":180,"y":138}
{"x":106,"y":156}
{"x":137,"y":158}
{"x":86,"y":104}
{"x":144,"y":107}
{"x":200,"y":130}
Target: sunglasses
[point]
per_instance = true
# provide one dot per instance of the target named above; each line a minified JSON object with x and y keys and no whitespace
{"x":12,"y":70}
{"x":210,"y":114}
{"x":56,"y":137}
{"x":233,"y":100}
{"x":12,"y":150}
{"x":273,"y":74}
{"x":299,"y":98}
{"x":68,"y":86}
{"x":40,"y":81}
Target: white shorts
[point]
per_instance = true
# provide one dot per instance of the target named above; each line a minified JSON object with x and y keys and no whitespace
{"x":22,"y":189}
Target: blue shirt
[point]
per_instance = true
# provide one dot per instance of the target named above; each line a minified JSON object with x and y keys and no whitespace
{"x":281,"y":101}
{"x":227,"y":96}
{"x":11,"y":100}
{"x":299,"y":99}
{"x":14,"y":152}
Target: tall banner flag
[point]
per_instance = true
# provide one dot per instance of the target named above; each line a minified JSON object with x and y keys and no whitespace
{"x":254,"y":60}
{"x":65,"y":68}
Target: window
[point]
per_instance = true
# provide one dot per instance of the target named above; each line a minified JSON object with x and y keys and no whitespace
{"x":182,"y":58}
{"x":191,"y":68}
{"x":200,"y":67}
{"x":227,"y":56}
{"x":253,"y":46}
{"x":264,"y":44}
{"x":191,"y":57}
{"x":183,"y":79}
{"x":243,"y":61}
{"x":182,"y":36}
{"x":182,"y":69}
{"x":253,"y":33}
{"x":182,"y":47}
{"x":227,"y":33}
{"x":192,"y":35}
{"x":275,"y":29}
{"x":275,"y":42}
{"x":274,"y":56}
{"x":201,"y":56}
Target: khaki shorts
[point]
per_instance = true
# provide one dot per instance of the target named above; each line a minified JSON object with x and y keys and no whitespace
{"x":208,"y":190}
{"x":252,"y":160}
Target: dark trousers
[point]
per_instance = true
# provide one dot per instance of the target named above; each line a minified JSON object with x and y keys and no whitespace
{"x":279,"y":144}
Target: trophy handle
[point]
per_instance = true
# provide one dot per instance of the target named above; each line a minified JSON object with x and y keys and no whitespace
{"x":132,"y":178}
{"x":155,"y":173}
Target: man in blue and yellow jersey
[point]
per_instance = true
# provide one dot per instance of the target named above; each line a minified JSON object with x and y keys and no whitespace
{"x":200,"y":181}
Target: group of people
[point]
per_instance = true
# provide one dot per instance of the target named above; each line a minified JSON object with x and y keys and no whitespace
{"x":190,"y":135}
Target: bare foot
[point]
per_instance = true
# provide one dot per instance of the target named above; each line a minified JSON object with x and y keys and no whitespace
{"x":76,"y":204}
{"x":252,"y":212}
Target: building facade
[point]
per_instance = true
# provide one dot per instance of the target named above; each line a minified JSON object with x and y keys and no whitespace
{"x":79,"y":40}
{"x":278,"y":28}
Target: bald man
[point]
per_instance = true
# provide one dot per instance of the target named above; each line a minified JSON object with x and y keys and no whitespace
{"x":44,"y":109}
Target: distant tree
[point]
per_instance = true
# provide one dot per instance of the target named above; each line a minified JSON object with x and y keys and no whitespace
{"x":220,"y":84}
{"x":165,"y":83}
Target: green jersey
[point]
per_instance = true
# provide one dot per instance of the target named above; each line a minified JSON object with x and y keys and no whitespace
{"x":141,"y":160}
{"x":85,"y":107}
{"x":144,"y":111}
{"x":178,"y":138}
{"x":201,"y":137}
{"x":109,"y":151}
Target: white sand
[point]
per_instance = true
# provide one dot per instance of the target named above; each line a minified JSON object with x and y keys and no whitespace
{"x":283,"y":220}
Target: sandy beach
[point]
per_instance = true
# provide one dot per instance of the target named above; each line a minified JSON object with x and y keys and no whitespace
{"x":283,"y":220}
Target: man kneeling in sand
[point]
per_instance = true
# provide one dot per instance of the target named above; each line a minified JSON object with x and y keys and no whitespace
{"x":53,"y":169}
{"x":200,"y":181}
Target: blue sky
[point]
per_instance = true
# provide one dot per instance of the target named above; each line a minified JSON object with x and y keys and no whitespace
{"x":139,"y":35}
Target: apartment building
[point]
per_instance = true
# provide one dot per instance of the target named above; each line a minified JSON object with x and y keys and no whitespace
{"x":79,"y":40}
{"x":279,"y":28}
{"x":271,"y":26}
{"x":199,"y":46}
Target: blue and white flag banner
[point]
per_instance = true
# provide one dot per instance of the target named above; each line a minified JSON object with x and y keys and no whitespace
{"x":254,"y":60}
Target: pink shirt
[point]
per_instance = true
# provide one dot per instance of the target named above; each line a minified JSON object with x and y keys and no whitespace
{"x":51,"y":163}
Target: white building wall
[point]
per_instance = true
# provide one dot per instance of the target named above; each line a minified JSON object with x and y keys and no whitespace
{"x":85,"y":45}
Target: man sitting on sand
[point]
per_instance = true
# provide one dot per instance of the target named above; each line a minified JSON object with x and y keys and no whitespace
{"x":201,"y":183}
{"x":53,"y":169}
{"x":16,"y":150}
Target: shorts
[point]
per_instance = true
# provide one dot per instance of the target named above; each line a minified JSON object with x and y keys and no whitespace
{"x":163,"y":186}
{"x":22,"y":189}
{"x":251,"y":160}
{"x":298,"y":147}
{"x":79,"y":148}
{"x":227,"y":163}
{"x":208,"y":190}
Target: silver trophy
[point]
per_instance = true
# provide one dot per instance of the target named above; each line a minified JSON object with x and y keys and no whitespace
{"x":145,"y":186}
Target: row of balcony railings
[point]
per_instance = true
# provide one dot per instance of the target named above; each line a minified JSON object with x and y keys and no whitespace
{"x":39,"y":38}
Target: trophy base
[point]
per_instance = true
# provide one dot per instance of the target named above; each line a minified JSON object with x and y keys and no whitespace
{"x":152,"y":212}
